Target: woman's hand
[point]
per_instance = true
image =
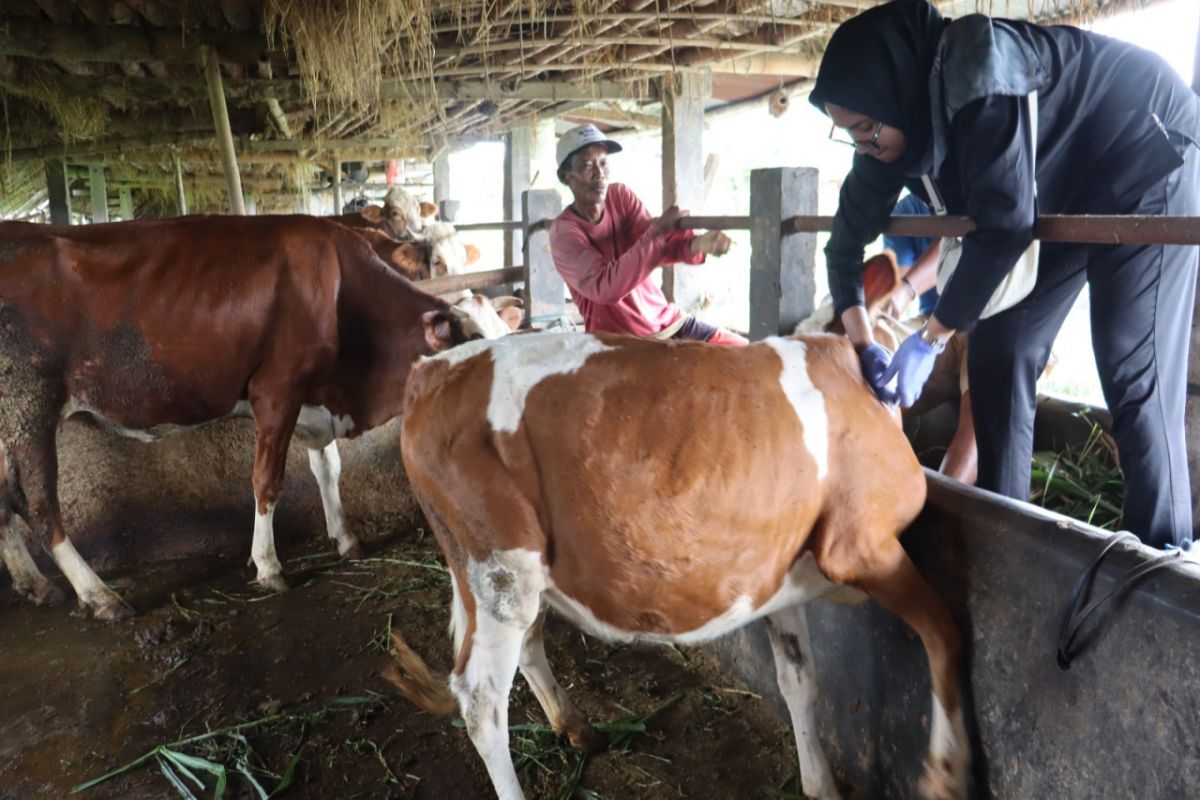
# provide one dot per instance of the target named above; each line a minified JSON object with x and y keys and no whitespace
{"x":875,"y":361}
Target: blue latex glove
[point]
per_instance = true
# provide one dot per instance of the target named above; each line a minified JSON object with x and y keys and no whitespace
{"x":875,"y":360}
{"x":911,"y":366}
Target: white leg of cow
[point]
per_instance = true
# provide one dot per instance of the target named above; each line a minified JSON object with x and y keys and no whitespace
{"x":326,"y":465}
{"x":91,"y":591}
{"x":27,"y":579}
{"x":788,"y":631}
{"x":564,"y":717}
{"x":262,"y":552}
{"x":895,"y":583}
{"x":507,"y":588}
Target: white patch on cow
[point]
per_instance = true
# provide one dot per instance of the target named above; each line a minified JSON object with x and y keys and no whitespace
{"x":803,"y":582}
{"x":458,"y":617}
{"x":263,"y":549}
{"x":447,"y":253}
{"x":948,"y":742}
{"x":326,"y":466}
{"x":806,"y":399}
{"x":88,"y":587}
{"x":507,"y":589}
{"x":817,"y":321}
{"x":521,"y":363}
{"x":480,"y":310}
{"x":26,"y":577}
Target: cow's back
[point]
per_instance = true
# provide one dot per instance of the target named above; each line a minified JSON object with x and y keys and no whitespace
{"x":180,"y":312}
{"x":639,"y":456}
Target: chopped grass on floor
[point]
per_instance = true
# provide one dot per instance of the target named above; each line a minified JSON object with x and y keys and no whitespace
{"x":226,"y":752}
{"x":1082,"y":482}
{"x":545,"y":760}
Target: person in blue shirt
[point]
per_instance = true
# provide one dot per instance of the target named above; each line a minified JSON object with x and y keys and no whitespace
{"x":917,"y":257}
{"x":909,"y":249}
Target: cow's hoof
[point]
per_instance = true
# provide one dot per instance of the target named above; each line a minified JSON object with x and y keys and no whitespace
{"x":940,"y":783}
{"x":42,"y":594}
{"x":273,"y":583}
{"x":354,"y":552}
{"x":583,"y":737}
{"x":112,"y":611}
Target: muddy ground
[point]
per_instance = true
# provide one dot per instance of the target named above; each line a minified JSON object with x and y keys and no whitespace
{"x":299,"y":671}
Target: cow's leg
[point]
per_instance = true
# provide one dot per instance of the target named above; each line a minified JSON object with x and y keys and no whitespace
{"x":274,"y":423}
{"x":27,"y":579}
{"x":506,"y":590}
{"x":564,"y":717}
{"x":326,"y":465}
{"x":35,"y":465}
{"x":788,"y":631}
{"x":896,"y":584}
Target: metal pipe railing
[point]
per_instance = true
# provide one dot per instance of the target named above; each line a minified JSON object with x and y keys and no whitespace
{"x":514,"y":225}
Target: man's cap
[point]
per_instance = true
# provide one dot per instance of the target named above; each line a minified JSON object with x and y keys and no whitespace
{"x":580,"y":137}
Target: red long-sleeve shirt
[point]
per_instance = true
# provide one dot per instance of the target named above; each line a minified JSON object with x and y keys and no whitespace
{"x":607,"y":265}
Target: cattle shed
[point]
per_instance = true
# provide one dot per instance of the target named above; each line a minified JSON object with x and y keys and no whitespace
{"x":119,"y":110}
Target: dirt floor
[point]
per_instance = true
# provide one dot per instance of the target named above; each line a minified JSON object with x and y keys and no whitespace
{"x":285,"y":688}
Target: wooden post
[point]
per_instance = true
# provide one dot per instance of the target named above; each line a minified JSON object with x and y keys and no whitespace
{"x":517,"y":147}
{"x":337,"y":186}
{"x":545,"y":292}
{"x":126,"y":196}
{"x":99,"y":192}
{"x":441,"y":178}
{"x":220,"y":113}
{"x":782,"y":264}
{"x":180,"y":196}
{"x":683,"y":171}
{"x":56,"y":186}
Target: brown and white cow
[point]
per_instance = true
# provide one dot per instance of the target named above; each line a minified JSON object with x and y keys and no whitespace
{"x":665,"y":492}
{"x":151,"y":327}
{"x":401,"y":216}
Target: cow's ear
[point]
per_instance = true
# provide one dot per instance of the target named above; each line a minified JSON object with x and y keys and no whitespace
{"x":409,"y":259}
{"x":512,"y":316}
{"x":881,"y":277}
{"x":472,"y":254}
{"x":428,"y":209}
{"x":372,"y":214}
{"x":439,"y":332}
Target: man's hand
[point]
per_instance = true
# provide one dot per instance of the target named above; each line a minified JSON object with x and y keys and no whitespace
{"x":714,"y":243}
{"x":663,"y":225}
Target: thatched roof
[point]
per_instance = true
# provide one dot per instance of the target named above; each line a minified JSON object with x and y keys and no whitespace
{"x":121,"y":81}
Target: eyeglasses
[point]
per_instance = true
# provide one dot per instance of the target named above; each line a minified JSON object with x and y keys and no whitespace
{"x":842,"y":136}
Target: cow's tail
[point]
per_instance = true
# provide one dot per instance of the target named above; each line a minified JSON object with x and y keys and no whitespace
{"x":409,"y":673}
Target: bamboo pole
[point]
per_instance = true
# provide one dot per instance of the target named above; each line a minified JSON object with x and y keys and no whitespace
{"x":220,"y":112}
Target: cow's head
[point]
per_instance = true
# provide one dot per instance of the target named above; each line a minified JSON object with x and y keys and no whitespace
{"x":447,"y":254}
{"x":443,"y":330}
{"x":401,"y":216}
{"x":489,"y":319}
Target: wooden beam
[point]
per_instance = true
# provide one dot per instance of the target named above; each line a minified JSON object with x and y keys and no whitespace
{"x":180,"y":195}
{"x":119,"y":44}
{"x":99,"y":192}
{"x":60,"y":196}
{"x":216,"y":98}
{"x":683,"y":172}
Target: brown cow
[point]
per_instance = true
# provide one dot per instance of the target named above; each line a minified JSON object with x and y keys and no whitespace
{"x":667,"y":492}
{"x":155,"y":326}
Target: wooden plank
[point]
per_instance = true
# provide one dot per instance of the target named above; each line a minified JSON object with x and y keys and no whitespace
{"x":545,"y":292}
{"x":119,"y":44}
{"x":56,"y":186}
{"x":683,"y":172}
{"x":782,"y":267}
{"x":99,"y":191}
{"x":471,"y":280}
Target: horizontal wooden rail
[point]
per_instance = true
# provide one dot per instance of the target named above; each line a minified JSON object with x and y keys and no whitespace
{"x":472,"y":280}
{"x":1049,"y":227}
{"x":515,"y":225}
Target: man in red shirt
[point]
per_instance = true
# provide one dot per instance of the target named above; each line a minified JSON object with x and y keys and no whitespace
{"x":606,"y":244}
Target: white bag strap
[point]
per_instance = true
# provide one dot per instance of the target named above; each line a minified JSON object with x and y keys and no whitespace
{"x":935,"y":197}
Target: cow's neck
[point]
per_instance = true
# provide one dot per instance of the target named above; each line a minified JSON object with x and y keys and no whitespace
{"x":380,"y":336}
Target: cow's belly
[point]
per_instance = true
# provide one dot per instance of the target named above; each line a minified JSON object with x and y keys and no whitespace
{"x":647,"y":614}
{"x":316,"y":426}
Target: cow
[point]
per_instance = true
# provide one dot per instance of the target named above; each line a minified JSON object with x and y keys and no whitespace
{"x":663,"y":492}
{"x":401,"y":216}
{"x":406,"y":257}
{"x":150,"y":327}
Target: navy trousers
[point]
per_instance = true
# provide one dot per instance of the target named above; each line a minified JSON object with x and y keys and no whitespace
{"x":1142,"y":300}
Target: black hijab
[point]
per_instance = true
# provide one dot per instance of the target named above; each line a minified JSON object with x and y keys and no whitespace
{"x":878,"y":64}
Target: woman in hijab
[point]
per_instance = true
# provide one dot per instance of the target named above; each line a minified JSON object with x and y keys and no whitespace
{"x":1116,"y":129}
